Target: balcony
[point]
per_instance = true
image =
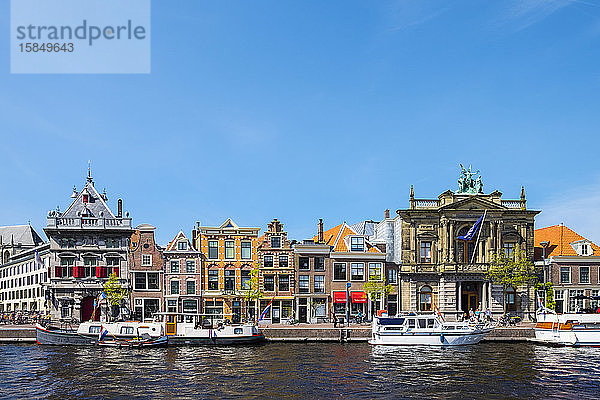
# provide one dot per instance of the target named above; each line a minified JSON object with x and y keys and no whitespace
{"x":89,"y":223}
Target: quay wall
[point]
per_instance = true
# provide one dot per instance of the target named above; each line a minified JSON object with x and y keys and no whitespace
{"x":17,"y":334}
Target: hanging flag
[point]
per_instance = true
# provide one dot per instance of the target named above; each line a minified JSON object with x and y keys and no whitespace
{"x":266,"y":310}
{"x":103,"y":333}
{"x":473,"y":231}
{"x":38,"y":260}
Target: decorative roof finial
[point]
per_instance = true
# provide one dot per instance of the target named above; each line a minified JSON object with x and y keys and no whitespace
{"x":411,"y":200}
{"x":89,"y":177}
{"x":523,"y":201}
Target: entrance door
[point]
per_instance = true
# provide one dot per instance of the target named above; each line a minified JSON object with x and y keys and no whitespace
{"x":87,"y":309}
{"x":302,"y":314}
{"x":470,"y":301}
{"x":236,"y":310}
{"x":276,"y":317}
{"x":151,"y":307}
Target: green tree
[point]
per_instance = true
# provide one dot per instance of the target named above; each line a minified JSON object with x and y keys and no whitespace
{"x":549,"y":293}
{"x":252,"y":290}
{"x":115,"y":292}
{"x":511,"y":270}
{"x":376,"y":289}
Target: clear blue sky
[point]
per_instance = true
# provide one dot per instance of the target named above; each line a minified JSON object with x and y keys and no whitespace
{"x":308,"y":109}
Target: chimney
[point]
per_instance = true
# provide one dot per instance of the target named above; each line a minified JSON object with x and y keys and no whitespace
{"x":387,"y":214}
{"x":194,"y":234}
{"x":320,"y":230}
{"x":196,"y":242}
{"x":120,"y":208}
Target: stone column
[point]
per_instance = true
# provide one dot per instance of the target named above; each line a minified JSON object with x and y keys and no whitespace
{"x":459,"y":294}
{"x":451,"y":258}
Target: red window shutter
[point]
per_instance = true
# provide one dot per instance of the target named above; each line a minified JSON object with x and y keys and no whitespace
{"x":58,"y":272}
{"x":99,"y":272}
{"x":116,"y":271}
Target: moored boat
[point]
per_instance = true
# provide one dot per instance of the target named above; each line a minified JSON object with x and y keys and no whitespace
{"x":144,"y":341}
{"x":567,"y":329}
{"x":202,"y":329}
{"x":426,"y":330}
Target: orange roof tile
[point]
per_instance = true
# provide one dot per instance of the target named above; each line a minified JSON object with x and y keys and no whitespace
{"x":560,"y":238}
{"x":335,"y":237}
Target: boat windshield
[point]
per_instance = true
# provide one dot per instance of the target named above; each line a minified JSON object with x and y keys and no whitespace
{"x":391,"y":321}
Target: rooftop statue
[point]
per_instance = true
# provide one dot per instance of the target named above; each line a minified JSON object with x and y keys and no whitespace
{"x":466,"y":183}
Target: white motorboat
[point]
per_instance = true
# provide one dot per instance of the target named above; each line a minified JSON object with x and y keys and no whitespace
{"x":204,"y":329}
{"x":567,"y":329}
{"x":425,"y":329}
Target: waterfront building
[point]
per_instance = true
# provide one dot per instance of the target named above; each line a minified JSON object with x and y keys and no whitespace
{"x":353,"y":260}
{"x":15,"y":239}
{"x":230,"y":254}
{"x":572,"y":265}
{"x":88,"y":243}
{"x":276,"y":273}
{"x":438,"y":268}
{"x":183,"y":286}
{"x":22,"y":280}
{"x":386,"y":235}
{"x":312,"y":279}
{"x":146,"y":273}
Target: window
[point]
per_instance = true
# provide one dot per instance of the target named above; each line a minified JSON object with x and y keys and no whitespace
{"x":153,"y":281}
{"x":584,"y":274}
{"x":357,"y":243}
{"x":229,"y":249}
{"x":511,"y":296}
{"x":66,"y":267}
{"x":565,"y":274}
{"x":174,"y":287}
{"x":392,"y":276}
{"x":509,"y":249}
{"x":213,"y":307}
{"x":594,"y":304}
{"x":303,"y":284}
{"x":246,"y":250}
{"x":283,"y":262}
{"x":284,"y":283}
{"x":426,"y":299}
{"x":190,"y":287}
{"x":175,"y":266}
{"x":190,"y":306}
{"x":127,"y":330}
{"x":584,"y":249}
{"x":357,"y":271}
{"x":229,"y":280}
{"x":339,"y":272}
{"x":303,"y":263}
{"x":425,"y":252}
{"x":90,"y":266}
{"x":146,"y":260}
{"x":190,"y":266}
{"x":171,"y":305}
{"x":319,"y":263}
{"x":245,"y":280}
{"x":213,"y":279}
{"x":112,"y":243}
{"x":269,"y":283}
{"x":375,"y":272}
{"x":213,"y":249}
{"x":139,"y":279}
{"x":275,"y":242}
{"x":268,"y":261}
{"x":182,"y":245}
{"x":319,"y":283}
{"x":576,"y":300}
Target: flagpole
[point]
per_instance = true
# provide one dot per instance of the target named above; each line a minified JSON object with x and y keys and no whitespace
{"x":478,"y":236}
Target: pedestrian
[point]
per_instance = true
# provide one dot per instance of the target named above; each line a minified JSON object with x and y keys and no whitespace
{"x":335,"y":321}
{"x":488,"y":315}
{"x":471,"y":314}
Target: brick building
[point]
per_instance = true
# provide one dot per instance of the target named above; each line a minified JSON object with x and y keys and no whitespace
{"x":146,"y":273}
{"x":276,"y":268}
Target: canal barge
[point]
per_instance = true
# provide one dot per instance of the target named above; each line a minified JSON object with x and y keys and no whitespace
{"x":89,"y":333}
{"x":425,"y":330}
{"x":206,"y":329}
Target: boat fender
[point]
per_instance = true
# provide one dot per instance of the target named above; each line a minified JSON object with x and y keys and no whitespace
{"x":442,"y":339}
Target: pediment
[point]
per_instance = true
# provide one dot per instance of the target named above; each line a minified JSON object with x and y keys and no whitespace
{"x":473,"y":203}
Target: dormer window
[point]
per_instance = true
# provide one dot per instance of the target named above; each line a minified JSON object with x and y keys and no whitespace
{"x":86,"y":198}
{"x":182,"y":246}
{"x":275,"y":242}
{"x":357,"y":243}
{"x":584,"y":249}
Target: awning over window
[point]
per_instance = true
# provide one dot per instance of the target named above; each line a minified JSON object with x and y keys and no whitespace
{"x":358,"y":297}
{"x":339,"y":297}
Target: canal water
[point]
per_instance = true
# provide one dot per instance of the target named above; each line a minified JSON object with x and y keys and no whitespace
{"x":301,"y":371}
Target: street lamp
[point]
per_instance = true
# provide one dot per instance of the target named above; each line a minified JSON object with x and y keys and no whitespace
{"x":544,"y":244}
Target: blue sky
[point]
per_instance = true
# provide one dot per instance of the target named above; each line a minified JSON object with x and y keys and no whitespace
{"x":309,"y":109}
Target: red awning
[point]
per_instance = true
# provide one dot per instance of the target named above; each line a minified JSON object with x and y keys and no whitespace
{"x":339,"y":297}
{"x":358,"y":297}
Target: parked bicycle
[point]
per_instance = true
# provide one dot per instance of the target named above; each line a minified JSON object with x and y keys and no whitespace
{"x":509,"y":319}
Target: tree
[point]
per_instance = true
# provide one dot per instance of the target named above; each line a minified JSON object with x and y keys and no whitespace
{"x":253,"y":292}
{"x":376,"y":289}
{"x":115,"y":293}
{"x":512,"y":270}
{"x":549,"y":294}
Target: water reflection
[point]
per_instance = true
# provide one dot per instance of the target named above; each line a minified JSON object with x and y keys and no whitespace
{"x":300,"y":371}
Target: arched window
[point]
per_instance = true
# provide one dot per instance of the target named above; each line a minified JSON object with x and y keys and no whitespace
{"x":464,"y":249}
{"x":426,"y":299}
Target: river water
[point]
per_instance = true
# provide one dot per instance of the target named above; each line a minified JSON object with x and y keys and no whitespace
{"x":301,"y":371}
